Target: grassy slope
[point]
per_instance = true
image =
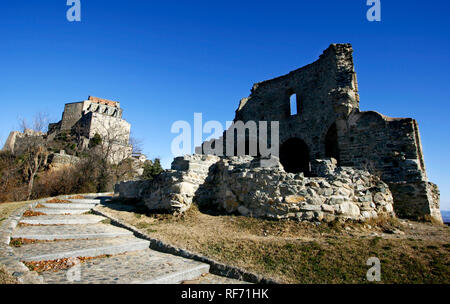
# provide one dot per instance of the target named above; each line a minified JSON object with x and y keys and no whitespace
{"x":294,"y":252}
{"x":7,"y":208}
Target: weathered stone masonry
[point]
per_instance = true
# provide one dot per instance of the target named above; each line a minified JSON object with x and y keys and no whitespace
{"x":241,"y":185}
{"x":329,"y":123}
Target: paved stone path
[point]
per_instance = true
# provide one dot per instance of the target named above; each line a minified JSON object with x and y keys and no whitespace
{"x":68,"y":231}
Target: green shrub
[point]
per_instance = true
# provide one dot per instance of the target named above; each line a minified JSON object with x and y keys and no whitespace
{"x":95,"y":141}
{"x":152,"y":169}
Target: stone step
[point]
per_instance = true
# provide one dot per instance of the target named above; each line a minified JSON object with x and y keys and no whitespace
{"x":140,"y":267}
{"x":80,"y":248}
{"x":69,"y":232}
{"x":214,"y":279}
{"x":85,"y":201}
{"x":98,"y":196}
{"x":62,"y":219}
{"x":50,"y":211}
{"x":88,"y":196}
{"x":68,"y":206}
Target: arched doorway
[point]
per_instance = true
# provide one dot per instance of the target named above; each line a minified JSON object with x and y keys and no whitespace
{"x":294,"y":156}
{"x":331,"y":143}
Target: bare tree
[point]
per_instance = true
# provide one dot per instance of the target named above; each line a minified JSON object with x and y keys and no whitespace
{"x":111,"y":150}
{"x":137,"y":144}
{"x":36,"y":155}
{"x":23,"y":124}
{"x":115,"y":143}
{"x":40,"y":122}
{"x":9,"y":176}
{"x":34,"y":159}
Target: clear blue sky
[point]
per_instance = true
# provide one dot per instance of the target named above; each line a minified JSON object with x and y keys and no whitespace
{"x":165,"y":60}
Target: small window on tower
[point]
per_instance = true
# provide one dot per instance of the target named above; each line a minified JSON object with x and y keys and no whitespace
{"x":294,"y":108}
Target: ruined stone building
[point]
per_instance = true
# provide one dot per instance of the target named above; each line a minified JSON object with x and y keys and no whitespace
{"x":83,"y":120}
{"x":317,"y":107}
{"x":334,"y":161}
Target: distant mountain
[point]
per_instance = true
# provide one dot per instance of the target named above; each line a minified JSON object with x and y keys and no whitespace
{"x":446,"y":216}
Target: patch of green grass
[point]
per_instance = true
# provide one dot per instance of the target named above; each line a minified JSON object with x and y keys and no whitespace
{"x":16,"y":243}
{"x":106,"y":221}
{"x":375,"y":241}
{"x":143,"y":225}
{"x":215,"y":248}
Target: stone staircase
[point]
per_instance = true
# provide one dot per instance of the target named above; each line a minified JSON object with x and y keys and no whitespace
{"x":110,"y":254}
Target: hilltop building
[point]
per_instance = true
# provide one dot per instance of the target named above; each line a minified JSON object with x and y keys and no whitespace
{"x":83,"y":121}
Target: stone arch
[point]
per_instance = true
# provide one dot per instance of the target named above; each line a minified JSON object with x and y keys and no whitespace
{"x":332,"y":144}
{"x":294,"y":156}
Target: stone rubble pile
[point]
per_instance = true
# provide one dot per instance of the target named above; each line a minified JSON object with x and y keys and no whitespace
{"x":174,"y":190}
{"x":242,"y":186}
{"x":261,"y":188}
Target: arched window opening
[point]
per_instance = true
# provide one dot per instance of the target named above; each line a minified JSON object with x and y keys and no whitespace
{"x":293,"y":104}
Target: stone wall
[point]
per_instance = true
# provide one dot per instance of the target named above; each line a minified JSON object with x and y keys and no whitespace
{"x":324,"y":90}
{"x":328,"y":123}
{"x":18,"y":143}
{"x":390,"y":146}
{"x":73,"y":112}
{"x":242,"y":185}
{"x":417,"y":200}
{"x":175,"y":189}
{"x":131,"y":190}
{"x":61,"y":159}
{"x":110,"y":128}
{"x":71,"y":115}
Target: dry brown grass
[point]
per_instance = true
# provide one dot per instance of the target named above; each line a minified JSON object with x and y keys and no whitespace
{"x":76,"y":197}
{"x":57,"y":201}
{"x":5,"y":277}
{"x":60,"y":264}
{"x":30,"y":213}
{"x":6,"y":209}
{"x":293,"y":252}
{"x":19,"y":242}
